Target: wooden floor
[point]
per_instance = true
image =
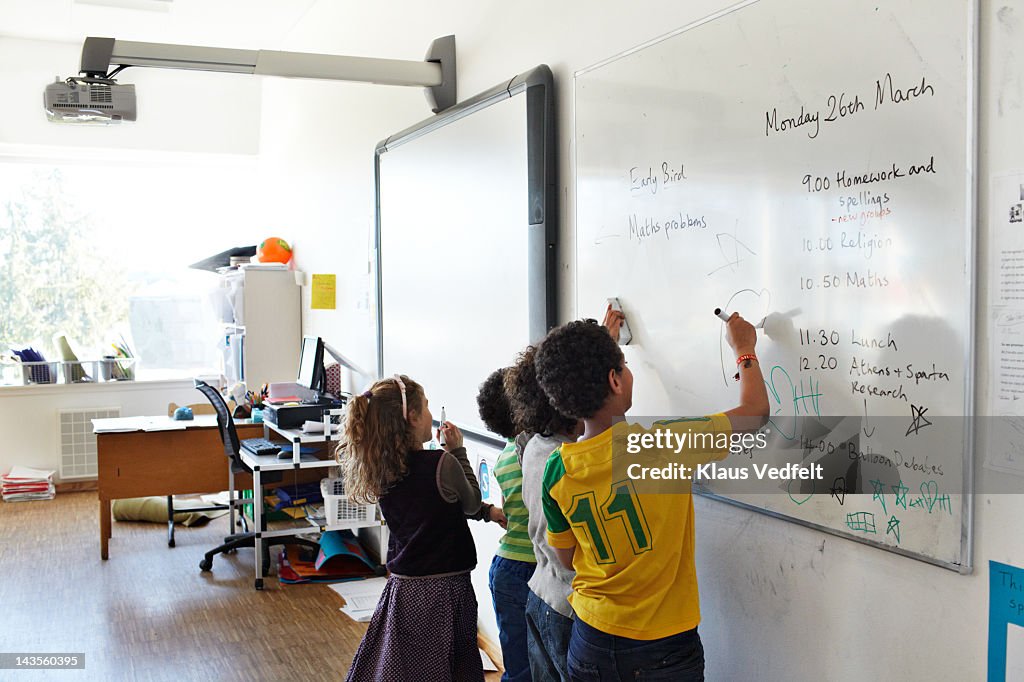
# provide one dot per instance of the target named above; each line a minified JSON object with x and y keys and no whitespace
{"x":149,"y":613}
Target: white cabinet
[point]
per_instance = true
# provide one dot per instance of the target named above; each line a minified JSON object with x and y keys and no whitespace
{"x":263,"y":336}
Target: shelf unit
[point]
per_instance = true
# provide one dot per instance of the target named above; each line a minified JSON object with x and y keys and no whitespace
{"x":263,"y":463}
{"x":263,"y":326}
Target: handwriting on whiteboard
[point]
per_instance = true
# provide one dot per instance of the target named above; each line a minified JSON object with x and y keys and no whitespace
{"x":644,"y":227}
{"x":646,"y":180}
{"x":842,"y":105}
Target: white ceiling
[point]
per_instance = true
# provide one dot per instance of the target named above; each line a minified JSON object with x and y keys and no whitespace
{"x":247,"y":24}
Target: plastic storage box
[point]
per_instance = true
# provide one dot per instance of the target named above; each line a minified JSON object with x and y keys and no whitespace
{"x":38,"y":372}
{"x":338,"y":511}
{"x":70,"y":372}
{"x":80,"y":371}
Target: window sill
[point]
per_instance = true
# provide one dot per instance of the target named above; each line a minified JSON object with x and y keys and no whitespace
{"x":101,"y":386}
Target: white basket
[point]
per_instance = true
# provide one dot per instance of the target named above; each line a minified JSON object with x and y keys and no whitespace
{"x":338,"y":511}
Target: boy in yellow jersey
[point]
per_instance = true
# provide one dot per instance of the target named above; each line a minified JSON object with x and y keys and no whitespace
{"x":635,"y":590}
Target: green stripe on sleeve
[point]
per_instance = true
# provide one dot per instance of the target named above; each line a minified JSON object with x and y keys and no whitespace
{"x":554,"y":470}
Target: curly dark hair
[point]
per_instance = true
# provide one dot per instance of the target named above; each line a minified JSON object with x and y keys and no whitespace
{"x":493,"y":405}
{"x":531,"y":409}
{"x":572,"y":364}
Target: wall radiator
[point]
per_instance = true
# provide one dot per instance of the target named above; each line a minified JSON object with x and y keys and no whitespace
{"x":77,"y":442}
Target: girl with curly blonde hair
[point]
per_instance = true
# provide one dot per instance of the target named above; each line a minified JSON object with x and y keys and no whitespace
{"x":424,"y":627}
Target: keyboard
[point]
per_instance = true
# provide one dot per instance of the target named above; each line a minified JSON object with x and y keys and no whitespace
{"x":260,"y":446}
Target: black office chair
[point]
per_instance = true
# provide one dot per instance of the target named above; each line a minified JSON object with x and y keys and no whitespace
{"x":229,"y":436}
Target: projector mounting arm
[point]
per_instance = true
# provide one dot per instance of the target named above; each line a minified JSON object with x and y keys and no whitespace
{"x":436,"y":72}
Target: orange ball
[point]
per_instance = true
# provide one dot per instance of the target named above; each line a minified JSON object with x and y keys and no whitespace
{"x":274,"y":250}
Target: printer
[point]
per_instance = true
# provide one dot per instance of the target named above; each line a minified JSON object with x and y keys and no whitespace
{"x":294,"y":416}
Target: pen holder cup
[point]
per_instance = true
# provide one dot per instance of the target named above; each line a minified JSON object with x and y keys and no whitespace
{"x":339,"y":511}
{"x":117,"y":369}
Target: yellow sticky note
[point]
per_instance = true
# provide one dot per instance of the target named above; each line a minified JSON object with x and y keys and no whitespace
{"x":324,"y":295}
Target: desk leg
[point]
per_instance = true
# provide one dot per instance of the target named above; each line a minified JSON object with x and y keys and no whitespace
{"x":257,"y":519}
{"x":104,"y":527}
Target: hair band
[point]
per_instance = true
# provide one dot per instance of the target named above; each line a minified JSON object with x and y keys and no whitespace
{"x":405,"y":405}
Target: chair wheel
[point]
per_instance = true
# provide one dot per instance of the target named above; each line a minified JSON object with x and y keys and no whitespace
{"x":205,"y":564}
{"x":170,"y":543}
{"x":259,"y":583}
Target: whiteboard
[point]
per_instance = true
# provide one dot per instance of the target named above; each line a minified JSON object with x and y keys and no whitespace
{"x":465,"y":242}
{"x":810,"y":164}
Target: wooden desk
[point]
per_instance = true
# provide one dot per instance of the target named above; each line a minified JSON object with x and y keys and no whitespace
{"x":142,"y":463}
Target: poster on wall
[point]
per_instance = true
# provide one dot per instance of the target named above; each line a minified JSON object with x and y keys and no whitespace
{"x":489,"y":490}
{"x":1006,"y":378}
{"x":1005,"y":622}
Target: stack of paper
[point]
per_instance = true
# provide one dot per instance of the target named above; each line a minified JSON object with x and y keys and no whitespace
{"x":22,"y":483}
{"x":127,"y":424}
{"x":360,"y":597}
{"x":310,"y":426}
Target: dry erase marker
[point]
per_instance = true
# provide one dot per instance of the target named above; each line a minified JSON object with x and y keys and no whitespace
{"x":440,"y":433}
{"x":625,"y":336}
{"x":725,"y":318}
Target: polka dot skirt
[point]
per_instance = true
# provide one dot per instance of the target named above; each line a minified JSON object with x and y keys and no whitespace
{"x":424,"y":630}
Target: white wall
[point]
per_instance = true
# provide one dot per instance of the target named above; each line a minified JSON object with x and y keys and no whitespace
{"x":779,"y":600}
{"x":29,"y":418}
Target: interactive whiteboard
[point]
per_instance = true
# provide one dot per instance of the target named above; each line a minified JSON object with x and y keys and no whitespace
{"x":466,"y":233}
{"x":810,"y":164}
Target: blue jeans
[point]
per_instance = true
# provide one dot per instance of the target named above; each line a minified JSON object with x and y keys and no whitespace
{"x":548,"y":634}
{"x":509,"y":589}
{"x":596,"y":655}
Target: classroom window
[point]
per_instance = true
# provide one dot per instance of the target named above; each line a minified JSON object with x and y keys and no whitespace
{"x":99,"y":251}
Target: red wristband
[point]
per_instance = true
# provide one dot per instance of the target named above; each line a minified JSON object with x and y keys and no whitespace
{"x":741,"y":359}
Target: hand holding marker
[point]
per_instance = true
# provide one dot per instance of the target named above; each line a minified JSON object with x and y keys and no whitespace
{"x":725,"y":318}
{"x":440,"y":429}
{"x":742,"y":340}
{"x":449,"y":435}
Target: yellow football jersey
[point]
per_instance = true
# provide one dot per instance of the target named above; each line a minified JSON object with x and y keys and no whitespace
{"x":634,"y":559}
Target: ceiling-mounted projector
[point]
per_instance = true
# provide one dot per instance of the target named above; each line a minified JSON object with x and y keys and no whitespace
{"x":97,"y":98}
{"x":89,"y":100}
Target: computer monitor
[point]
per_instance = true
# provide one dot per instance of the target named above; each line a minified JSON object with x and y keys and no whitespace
{"x":311,"y":364}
